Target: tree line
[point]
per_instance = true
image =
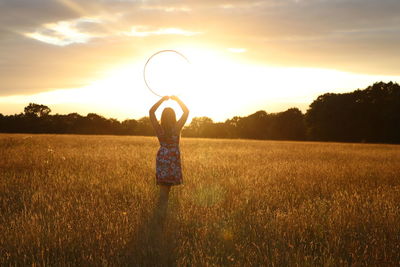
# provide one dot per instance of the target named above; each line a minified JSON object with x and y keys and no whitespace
{"x":369,"y":115}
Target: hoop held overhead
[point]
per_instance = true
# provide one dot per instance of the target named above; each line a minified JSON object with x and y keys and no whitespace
{"x":145,"y":66}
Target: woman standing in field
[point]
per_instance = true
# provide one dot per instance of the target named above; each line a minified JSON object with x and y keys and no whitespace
{"x":168,"y":160}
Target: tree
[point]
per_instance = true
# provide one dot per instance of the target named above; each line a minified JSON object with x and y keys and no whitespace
{"x":144,"y":127}
{"x":129,"y":126}
{"x":232,"y":127}
{"x":36,"y":110}
{"x":198,"y":127}
{"x":289,"y":125}
{"x":369,"y":115}
{"x":254,"y":126}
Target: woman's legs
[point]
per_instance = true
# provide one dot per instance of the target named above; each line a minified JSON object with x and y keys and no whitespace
{"x":164,"y":193}
{"x":162,"y":204}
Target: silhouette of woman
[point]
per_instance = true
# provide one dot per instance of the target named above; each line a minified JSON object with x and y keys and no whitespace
{"x":168,"y":160}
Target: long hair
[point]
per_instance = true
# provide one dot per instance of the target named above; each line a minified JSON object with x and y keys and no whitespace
{"x":168,"y":121}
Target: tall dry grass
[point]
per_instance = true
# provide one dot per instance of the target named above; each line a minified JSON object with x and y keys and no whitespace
{"x":89,"y":200}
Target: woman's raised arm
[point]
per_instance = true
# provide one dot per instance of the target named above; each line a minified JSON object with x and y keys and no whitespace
{"x":152,"y":114}
{"x":181,"y":122}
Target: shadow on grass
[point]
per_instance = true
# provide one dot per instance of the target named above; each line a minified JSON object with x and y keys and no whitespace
{"x":151,"y":244}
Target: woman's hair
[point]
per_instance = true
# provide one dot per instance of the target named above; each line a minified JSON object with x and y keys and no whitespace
{"x":168,"y":121}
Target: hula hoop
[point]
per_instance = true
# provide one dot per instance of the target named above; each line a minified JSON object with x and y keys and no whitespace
{"x":145,"y":66}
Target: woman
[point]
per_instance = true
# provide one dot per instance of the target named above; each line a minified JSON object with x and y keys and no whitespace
{"x":168,"y":161}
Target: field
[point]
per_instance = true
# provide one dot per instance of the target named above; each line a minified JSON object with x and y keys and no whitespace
{"x":89,"y":200}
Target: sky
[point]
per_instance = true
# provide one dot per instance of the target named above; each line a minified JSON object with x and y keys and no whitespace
{"x":245,"y":55}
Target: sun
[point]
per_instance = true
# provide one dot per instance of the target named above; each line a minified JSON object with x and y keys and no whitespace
{"x":214,"y":83}
{"x":198,"y":78}
{"x":190,"y":73}
{"x":167,"y":72}
{"x":210,"y":82}
{"x":201,"y":84}
{"x":205,"y":83}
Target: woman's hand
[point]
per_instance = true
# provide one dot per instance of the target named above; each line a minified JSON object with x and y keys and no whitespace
{"x":157,"y":104}
{"x":174,"y":97}
{"x":182,"y":120}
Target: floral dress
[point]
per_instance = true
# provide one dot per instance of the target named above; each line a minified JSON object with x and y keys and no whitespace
{"x":168,"y":161}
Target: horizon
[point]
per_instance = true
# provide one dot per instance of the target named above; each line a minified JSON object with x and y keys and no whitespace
{"x":178,"y":112}
{"x":245,"y":55}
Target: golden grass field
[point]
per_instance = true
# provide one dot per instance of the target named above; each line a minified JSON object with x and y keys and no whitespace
{"x":70,"y":200}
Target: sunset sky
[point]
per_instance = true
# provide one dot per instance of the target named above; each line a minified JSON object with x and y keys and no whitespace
{"x":88,"y":56}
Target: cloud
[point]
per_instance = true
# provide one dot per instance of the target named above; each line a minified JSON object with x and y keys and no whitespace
{"x":25,"y":15}
{"x":64,"y":33}
{"x":47,"y":44}
{"x":173,"y":9}
{"x":82,"y":30}
{"x":144,"y":31}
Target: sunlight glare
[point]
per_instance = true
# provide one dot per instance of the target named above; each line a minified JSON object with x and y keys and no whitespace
{"x":168,"y":73}
{"x":213,"y":85}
